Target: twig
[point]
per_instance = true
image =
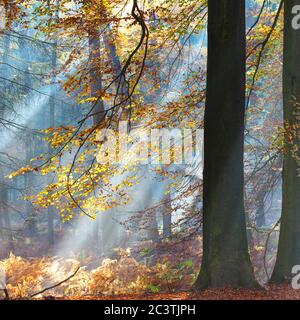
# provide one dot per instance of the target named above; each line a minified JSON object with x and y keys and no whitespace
{"x":56,"y":285}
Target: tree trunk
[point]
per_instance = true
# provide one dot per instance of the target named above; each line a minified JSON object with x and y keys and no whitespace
{"x":51,"y":213}
{"x":98,"y":111}
{"x":30,"y":212}
{"x":111,"y":49}
{"x":31,"y":218}
{"x":95,"y":77}
{"x":226,"y":260}
{"x":7,"y":231}
{"x":289,"y":240}
{"x":122,"y":90}
{"x":260,"y":218}
{"x":152,"y":226}
{"x":167,"y":217}
{"x":5,"y":217}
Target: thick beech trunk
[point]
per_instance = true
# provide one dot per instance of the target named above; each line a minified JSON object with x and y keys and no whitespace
{"x":289,"y":239}
{"x":226,"y":260}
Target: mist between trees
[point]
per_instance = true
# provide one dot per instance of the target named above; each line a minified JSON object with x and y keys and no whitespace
{"x":148,"y":146}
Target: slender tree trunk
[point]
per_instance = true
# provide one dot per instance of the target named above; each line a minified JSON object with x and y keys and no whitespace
{"x":226,"y":260}
{"x":167,"y":217}
{"x":260,"y":212}
{"x":111,"y":49}
{"x":7,"y":230}
{"x":121,"y":91}
{"x":98,"y":108}
{"x":152,"y":226}
{"x":30,"y":212}
{"x":121,"y":86}
{"x":51,"y":212}
{"x":289,"y":240}
{"x":52,"y":106}
{"x":95,"y":77}
{"x":5,"y":217}
{"x":29,"y":177}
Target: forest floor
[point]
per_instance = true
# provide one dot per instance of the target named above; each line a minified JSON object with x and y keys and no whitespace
{"x":166,"y":269}
{"x":271,"y":292}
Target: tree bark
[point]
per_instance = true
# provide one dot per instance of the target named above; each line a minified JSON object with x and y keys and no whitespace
{"x":5,"y":217}
{"x":226,"y":260}
{"x":122,"y":90}
{"x":51,"y":213}
{"x":31,"y":217}
{"x":95,"y":77}
{"x":152,"y":226}
{"x":5,"y":214}
{"x":260,"y":218}
{"x":289,"y":240}
{"x":167,"y":217}
{"x":98,"y":116}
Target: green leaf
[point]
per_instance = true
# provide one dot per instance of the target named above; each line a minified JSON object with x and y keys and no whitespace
{"x":153,"y":288}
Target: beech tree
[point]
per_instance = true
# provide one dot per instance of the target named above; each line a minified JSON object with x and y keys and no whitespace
{"x":5,"y":223}
{"x":52,"y":100}
{"x":289,"y":240}
{"x":226,"y":260}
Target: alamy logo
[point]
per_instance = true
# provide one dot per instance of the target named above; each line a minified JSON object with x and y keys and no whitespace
{"x":296,"y":18}
{"x":150,"y":146}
